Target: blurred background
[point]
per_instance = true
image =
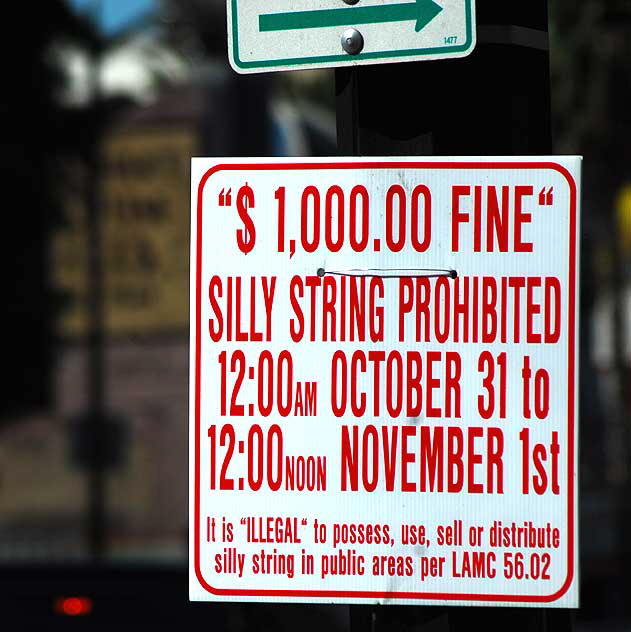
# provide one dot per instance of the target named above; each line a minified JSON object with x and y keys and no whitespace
{"x":103,"y":104}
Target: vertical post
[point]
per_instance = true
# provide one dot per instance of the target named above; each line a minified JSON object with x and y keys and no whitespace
{"x":95,"y":361}
{"x":496,"y":101}
{"x":95,"y":353}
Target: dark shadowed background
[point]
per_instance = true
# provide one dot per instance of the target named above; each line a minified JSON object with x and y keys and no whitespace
{"x":103,"y":103}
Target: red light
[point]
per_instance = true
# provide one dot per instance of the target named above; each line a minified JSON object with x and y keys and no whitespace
{"x":73,"y":606}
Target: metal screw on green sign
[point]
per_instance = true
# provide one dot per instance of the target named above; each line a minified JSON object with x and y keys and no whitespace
{"x":352,"y":41}
{"x":422,"y":11}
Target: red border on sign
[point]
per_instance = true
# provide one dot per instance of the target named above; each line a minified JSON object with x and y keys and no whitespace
{"x":357,"y":594}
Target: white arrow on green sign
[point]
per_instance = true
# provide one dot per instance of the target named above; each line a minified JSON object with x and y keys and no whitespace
{"x":265,"y":35}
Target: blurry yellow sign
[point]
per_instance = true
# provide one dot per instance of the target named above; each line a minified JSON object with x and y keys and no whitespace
{"x":623,"y":211}
{"x":145,"y":191}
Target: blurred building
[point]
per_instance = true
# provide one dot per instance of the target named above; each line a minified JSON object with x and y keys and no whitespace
{"x":144,"y":191}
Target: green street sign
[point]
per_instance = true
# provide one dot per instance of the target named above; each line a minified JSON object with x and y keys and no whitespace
{"x":268,"y":35}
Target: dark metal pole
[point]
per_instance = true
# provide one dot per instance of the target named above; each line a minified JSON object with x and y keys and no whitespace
{"x":96,"y":484}
{"x":96,"y":373}
{"x":494,"y":102}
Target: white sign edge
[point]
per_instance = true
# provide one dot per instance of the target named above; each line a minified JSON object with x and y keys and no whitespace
{"x":570,"y":599}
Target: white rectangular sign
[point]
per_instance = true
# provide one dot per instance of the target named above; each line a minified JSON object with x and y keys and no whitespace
{"x":383,"y":403}
{"x":266,"y":35}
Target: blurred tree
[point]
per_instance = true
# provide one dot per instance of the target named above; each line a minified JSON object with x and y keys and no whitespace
{"x":591,"y":86}
{"x":591,"y":90}
{"x":196,"y":28}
